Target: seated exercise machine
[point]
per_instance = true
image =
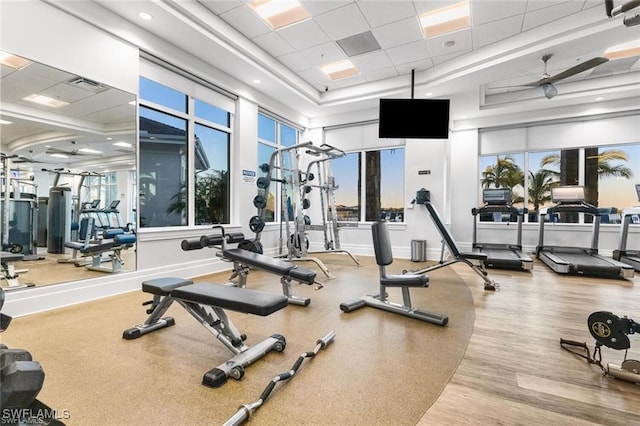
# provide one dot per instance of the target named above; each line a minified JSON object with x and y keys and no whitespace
{"x":474,"y":260}
{"x":21,"y":379}
{"x":611,"y":331}
{"x":9,"y":272}
{"x":384,"y":258}
{"x":577,"y":260}
{"x":497,"y":201}
{"x":243,"y":260}
{"x":623,"y":254}
{"x":207,"y":302}
{"x":111,"y":243}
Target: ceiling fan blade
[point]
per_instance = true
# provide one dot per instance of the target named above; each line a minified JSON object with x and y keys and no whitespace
{"x":577,"y":69}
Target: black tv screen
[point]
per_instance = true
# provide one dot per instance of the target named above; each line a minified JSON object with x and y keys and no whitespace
{"x":414,"y":118}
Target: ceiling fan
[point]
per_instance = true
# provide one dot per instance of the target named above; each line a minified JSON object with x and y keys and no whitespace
{"x":546,"y":80}
{"x":59,"y":152}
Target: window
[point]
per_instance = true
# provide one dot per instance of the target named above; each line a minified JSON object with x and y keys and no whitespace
{"x":272,"y":135}
{"x":607,"y":173}
{"x":383,"y":185}
{"x":184,"y":158}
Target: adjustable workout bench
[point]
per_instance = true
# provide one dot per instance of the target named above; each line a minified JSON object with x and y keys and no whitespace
{"x":243,"y":260}
{"x":206,"y":302}
{"x":9,"y":272}
{"x":114,"y":241}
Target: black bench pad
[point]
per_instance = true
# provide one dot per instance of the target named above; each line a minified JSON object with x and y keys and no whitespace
{"x":474,"y":256}
{"x":304,"y":275}
{"x":7,"y":256}
{"x":269,"y":264}
{"x":233,"y":298}
{"x":408,"y":280}
{"x":164,"y":286}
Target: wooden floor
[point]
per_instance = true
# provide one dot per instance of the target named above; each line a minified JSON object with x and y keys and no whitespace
{"x":514,"y":371}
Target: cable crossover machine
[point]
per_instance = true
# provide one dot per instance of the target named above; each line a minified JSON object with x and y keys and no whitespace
{"x":296,"y":184}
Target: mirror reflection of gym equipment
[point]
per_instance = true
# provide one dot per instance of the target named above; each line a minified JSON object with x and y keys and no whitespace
{"x":108,"y":117}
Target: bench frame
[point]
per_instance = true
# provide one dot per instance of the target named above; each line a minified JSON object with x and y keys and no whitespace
{"x":214,"y":319}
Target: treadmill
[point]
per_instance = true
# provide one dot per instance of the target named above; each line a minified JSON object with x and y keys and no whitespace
{"x":501,"y":256}
{"x":630,"y":257}
{"x":577,"y":260}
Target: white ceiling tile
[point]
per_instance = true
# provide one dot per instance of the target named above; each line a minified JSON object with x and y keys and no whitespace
{"x":462,"y":40}
{"x":550,"y":14}
{"x":493,"y":10}
{"x":380,"y":74}
{"x":313,"y":76}
{"x":244,"y":20}
{"x":447,"y":57}
{"x":422,"y":65}
{"x":295,"y":62}
{"x":397,"y":33}
{"x":273,"y":44}
{"x":350,"y":81}
{"x":323,"y":54}
{"x":304,"y":34}
{"x":381,"y":12}
{"x":409,"y":52}
{"x":220,"y":6}
{"x":636,"y":66}
{"x":495,"y":31}
{"x":542,"y":4}
{"x":342,"y":22}
{"x":371,"y":61}
{"x":317,"y":7}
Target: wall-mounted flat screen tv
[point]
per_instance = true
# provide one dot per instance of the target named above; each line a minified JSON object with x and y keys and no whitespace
{"x":414,"y":118}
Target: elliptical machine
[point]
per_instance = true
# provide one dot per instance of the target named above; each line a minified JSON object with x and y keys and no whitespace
{"x":611,"y":331}
{"x":21,"y":380}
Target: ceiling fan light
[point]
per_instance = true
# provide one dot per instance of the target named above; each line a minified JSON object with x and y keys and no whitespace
{"x":549,"y":90}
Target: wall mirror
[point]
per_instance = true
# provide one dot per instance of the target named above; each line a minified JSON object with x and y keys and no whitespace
{"x":68,"y":148}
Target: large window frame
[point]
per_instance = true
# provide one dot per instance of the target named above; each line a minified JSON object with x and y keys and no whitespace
{"x":207,"y":132}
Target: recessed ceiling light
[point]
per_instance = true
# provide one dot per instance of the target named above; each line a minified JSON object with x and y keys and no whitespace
{"x":109,"y":138}
{"x":90,"y":151}
{"x":446,"y":19}
{"x":279,"y":14}
{"x":45,"y":100}
{"x":59,"y":155}
{"x":340,"y":69}
{"x":13,"y":61}
{"x":428,"y":94}
{"x":132,"y":103}
{"x":122,"y":144}
{"x":600,"y":98}
{"x":5,"y":122}
{"x":145,"y":16}
{"x":256,"y":81}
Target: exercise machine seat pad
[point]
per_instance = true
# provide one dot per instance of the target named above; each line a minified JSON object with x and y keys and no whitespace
{"x":276,"y":266}
{"x":233,"y":298}
{"x":407,"y":280}
{"x":164,"y":286}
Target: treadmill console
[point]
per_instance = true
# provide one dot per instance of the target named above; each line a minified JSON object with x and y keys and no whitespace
{"x":568,"y":194}
{"x":496,"y":196}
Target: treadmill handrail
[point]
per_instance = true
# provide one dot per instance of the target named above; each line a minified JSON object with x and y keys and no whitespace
{"x":499,"y":208}
{"x":580,"y":207}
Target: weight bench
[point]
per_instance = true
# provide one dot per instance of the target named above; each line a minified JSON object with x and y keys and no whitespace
{"x":207,"y":302}
{"x":243,"y":260}
{"x":9,"y":271}
{"x":384,"y":258}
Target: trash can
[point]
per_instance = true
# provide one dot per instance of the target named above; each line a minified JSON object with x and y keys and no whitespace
{"x":418,"y":250}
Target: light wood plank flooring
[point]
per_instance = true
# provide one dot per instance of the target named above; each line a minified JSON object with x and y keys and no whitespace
{"x":514,"y":371}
